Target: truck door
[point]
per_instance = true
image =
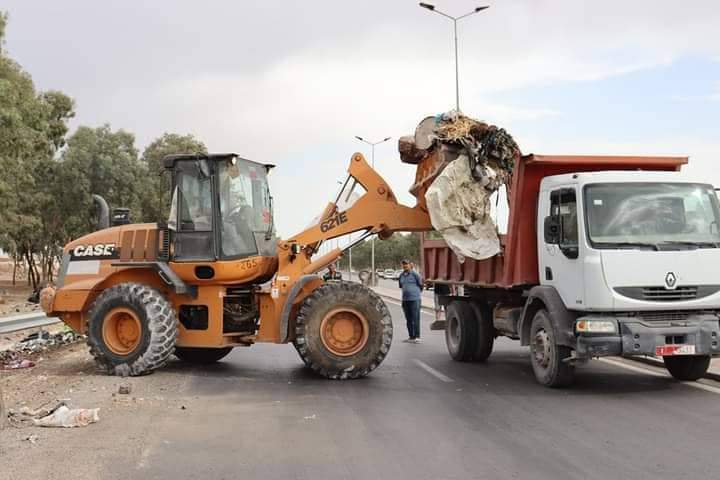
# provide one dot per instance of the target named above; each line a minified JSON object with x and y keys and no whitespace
{"x":560,"y":265}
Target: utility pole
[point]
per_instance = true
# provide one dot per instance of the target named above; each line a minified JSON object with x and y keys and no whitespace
{"x":373,"y":279}
{"x":454,"y":20}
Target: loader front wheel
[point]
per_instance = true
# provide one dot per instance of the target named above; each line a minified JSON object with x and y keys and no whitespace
{"x":132,"y":330}
{"x":343,"y":330}
{"x":201,"y":356}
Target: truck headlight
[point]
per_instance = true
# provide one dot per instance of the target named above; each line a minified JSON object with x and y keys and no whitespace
{"x":595,"y":326}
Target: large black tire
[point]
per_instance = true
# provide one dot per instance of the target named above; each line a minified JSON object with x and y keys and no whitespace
{"x":547,"y":357}
{"x":687,"y":368}
{"x":158,"y":329}
{"x":330,"y":302}
{"x":201,"y":356}
{"x":485,"y":331}
{"x":461,"y":335}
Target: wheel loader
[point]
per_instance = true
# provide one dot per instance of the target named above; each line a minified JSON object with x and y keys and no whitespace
{"x":213,"y":276}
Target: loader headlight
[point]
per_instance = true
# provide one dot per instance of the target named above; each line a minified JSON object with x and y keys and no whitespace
{"x":595,"y":326}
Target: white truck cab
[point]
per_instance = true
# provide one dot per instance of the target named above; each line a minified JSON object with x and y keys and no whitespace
{"x":634,"y":254}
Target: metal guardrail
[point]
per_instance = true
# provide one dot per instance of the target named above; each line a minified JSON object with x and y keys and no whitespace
{"x":26,"y":320}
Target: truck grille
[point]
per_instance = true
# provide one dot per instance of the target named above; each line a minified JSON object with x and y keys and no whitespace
{"x":669,"y":316}
{"x":662,"y":294}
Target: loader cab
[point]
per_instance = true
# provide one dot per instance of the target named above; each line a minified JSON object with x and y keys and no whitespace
{"x":221,"y":208}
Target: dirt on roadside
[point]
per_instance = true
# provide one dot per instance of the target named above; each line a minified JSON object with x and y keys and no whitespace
{"x":69,"y":374}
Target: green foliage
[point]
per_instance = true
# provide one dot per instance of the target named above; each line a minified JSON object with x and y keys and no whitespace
{"x":156,"y":193}
{"x":388,"y":253}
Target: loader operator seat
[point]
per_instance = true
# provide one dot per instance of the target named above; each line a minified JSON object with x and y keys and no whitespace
{"x":237,"y":238}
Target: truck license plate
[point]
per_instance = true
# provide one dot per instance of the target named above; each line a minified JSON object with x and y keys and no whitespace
{"x":667,"y":350}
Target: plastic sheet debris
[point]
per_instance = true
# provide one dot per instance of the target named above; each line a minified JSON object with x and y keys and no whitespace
{"x":65,"y":417}
{"x":58,"y":416}
{"x":461,"y":162}
{"x":459,"y":209}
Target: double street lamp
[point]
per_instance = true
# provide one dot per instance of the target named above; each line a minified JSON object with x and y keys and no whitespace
{"x":454,"y":20}
{"x":373,"y":280}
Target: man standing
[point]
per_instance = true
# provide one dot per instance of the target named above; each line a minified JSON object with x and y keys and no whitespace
{"x":411,"y":285}
{"x":332,"y":274}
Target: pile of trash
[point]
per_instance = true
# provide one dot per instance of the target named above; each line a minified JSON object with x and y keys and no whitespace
{"x":461,"y":162}
{"x":16,"y":357}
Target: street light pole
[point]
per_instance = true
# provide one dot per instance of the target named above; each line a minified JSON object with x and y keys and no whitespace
{"x":373,"y":280}
{"x":455,"y":20}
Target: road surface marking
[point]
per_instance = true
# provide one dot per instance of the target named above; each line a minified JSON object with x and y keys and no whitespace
{"x":432,"y":371}
{"x":697,"y":385}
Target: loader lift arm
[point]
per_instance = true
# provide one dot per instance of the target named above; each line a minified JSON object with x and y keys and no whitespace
{"x":377,"y":211}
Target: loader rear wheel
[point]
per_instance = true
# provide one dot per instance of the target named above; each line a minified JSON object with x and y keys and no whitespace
{"x":343,"y":330}
{"x":202,"y":356}
{"x":686,"y":367}
{"x":132,"y":330}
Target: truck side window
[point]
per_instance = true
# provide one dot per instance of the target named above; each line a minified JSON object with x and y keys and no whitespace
{"x":563,"y":206}
{"x":568,"y":218}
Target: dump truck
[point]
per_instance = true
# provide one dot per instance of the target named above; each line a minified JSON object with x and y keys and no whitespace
{"x":603,"y":256}
{"x":214,"y":276}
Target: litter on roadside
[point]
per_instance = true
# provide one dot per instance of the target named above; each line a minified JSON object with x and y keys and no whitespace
{"x":58,"y":416}
{"x":15,"y":357}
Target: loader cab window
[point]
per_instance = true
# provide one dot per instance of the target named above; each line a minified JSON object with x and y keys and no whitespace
{"x":191,"y":211}
{"x":563,"y":208}
{"x":245,"y":210}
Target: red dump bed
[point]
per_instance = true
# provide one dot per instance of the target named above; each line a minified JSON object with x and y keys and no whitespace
{"x":518,"y":264}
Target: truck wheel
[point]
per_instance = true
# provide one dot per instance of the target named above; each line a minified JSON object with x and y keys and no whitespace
{"x":687,"y":368}
{"x":201,"y":356}
{"x":485,"y":331}
{"x":547,"y":356}
{"x":461,"y":335}
{"x":343,"y":330}
{"x":132,"y":330}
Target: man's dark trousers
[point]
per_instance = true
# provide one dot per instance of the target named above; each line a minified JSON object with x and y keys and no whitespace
{"x":411,"y":308}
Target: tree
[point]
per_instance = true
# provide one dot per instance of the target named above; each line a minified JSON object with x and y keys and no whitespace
{"x":32,"y":129}
{"x":388,"y":253}
{"x":156,"y":196}
{"x":98,"y":161}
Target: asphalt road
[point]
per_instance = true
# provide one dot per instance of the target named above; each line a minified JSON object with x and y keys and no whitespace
{"x":260,"y":414}
{"x":423,"y":416}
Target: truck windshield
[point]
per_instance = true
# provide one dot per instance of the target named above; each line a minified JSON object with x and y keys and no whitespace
{"x":652,"y":215}
{"x":244,"y":206}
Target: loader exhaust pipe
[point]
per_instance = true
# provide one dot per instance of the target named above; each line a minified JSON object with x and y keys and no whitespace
{"x":102,"y":212}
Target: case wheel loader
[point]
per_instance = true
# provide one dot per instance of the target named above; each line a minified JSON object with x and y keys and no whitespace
{"x":214,"y":276}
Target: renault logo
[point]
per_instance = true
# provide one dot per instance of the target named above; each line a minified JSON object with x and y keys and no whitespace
{"x":670,"y":281}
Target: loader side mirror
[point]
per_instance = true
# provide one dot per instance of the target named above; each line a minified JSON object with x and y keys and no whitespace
{"x":552,"y":230}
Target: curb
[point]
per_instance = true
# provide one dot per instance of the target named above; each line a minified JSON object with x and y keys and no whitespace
{"x":659,"y":363}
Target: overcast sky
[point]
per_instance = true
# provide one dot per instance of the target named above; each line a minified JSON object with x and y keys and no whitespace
{"x":292,"y":83}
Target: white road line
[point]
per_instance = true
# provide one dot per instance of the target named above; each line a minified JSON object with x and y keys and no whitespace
{"x":432,"y":371}
{"x":697,"y":385}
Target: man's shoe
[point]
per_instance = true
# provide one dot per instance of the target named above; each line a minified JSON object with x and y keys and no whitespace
{"x":417,"y":340}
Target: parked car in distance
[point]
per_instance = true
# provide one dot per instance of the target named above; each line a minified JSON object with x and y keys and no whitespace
{"x":379,"y":273}
{"x":388,"y":274}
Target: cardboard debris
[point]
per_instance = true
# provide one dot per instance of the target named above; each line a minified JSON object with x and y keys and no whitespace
{"x":461,"y":163}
